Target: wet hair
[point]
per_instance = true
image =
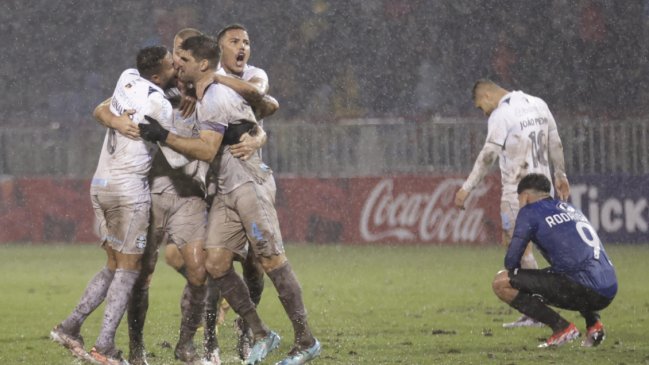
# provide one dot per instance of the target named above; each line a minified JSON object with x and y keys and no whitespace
{"x":149,"y":60}
{"x":188,"y":32}
{"x":537,"y":182}
{"x":222,"y":32}
{"x":203,"y":47}
{"x":480,"y":84}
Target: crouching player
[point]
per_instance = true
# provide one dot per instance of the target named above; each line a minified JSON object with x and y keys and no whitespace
{"x":580,"y":277}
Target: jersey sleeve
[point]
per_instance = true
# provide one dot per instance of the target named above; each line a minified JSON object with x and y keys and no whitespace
{"x":256,"y":72}
{"x":497,"y":128}
{"x":523,"y":232}
{"x":214,"y":113}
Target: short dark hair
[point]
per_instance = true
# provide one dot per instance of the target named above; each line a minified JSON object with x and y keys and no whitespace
{"x":479,"y":84}
{"x":203,"y":47}
{"x":222,"y":32}
{"x":534,"y":181}
{"x":149,"y":60}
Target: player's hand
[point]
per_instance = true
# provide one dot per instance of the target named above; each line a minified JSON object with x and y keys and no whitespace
{"x":563,"y":187}
{"x":125,"y":126}
{"x":460,"y":198}
{"x":152,"y":132}
{"x":246,"y":147}
{"x":187,"y":106}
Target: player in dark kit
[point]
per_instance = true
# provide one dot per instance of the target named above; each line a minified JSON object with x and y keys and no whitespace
{"x":580,"y":277}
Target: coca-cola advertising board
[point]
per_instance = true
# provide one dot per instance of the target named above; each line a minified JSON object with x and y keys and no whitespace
{"x":404,"y":209}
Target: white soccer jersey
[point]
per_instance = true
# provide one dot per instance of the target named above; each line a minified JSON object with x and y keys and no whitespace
{"x":124,"y":163}
{"x":521,"y":125}
{"x":220,"y":107}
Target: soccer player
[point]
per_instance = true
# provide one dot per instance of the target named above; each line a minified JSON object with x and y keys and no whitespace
{"x":243,"y":209}
{"x":580,"y":277}
{"x":522,"y":134}
{"x":251,"y":83}
{"x":121,"y":201}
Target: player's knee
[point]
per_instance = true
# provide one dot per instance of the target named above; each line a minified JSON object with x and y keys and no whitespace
{"x":500,"y":283}
{"x":218,"y":264}
{"x":273,"y":262}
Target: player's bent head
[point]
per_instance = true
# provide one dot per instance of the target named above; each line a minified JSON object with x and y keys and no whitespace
{"x":235,"y":26}
{"x":535,"y":182}
{"x":481,"y":85}
{"x":149,"y":60}
{"x":203,"y":47}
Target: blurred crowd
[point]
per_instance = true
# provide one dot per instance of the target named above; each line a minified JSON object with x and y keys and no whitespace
{"x":335,"y":59}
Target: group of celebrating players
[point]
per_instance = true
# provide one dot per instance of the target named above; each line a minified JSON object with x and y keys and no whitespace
{"x":181,"y":164}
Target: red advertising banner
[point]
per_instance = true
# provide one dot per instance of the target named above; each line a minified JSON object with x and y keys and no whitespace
{"x":409,"y":210}
{"x":399,"y":210}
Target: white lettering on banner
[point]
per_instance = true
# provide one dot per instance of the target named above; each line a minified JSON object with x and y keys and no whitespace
{"x":421,"y":216}
{"x":612,"y":214}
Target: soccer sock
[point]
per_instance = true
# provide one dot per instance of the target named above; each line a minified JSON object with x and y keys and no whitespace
{"x":590,"y":317}
{"x":212,"y":301}
{"x":255,"y":286}
{"x":192,"y":313}
{"x":92,"y":297}
{"x":290,"y":294}
{"x":137,"y":308}
{"x":234,"y":290}
{"x":534,"y":308}
{"x":119,"y":294}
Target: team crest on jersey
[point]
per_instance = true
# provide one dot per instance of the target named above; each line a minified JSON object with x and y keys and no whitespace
{"x":565,"y":207}
{"x":140,"y":241}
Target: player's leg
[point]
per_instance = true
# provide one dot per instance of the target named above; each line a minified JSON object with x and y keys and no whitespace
{"x":67,"y":333}
{"x":256,"y":208}
{"x":174,"y":258}
{"x":528,"y":291}
{"x":226,"y":239}
{"x":127,"y":224}
{"x":253,"y":275}
{"x":139,"y":303}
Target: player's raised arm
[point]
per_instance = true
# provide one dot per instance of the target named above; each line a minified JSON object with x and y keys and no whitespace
{"x":555,"y":151}
{"x":122,"y":123}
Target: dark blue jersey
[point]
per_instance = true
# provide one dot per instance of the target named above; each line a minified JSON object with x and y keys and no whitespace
{"x":567,"y":241}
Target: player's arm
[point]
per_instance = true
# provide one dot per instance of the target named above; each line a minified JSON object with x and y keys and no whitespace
{"x":122,"y":123}
{"x":483,"y":163}
{"x":203,"y":148}
{"x":252,"y":91}
{"x":555,"y":150}
{"x":522,"y":236}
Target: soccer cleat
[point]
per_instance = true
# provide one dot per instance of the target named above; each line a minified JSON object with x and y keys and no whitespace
{"x":562,"y":337}
{"x":523,"y":321}
{"x":212,"y":358}
{"x":186,"y":352}
{"x":262,"y":348}
{"x":299,"y":357}
{"x":99,"y":358}
{"x":73,"y":343}
{"x":244,"y":338}
{"x":594,"y":336}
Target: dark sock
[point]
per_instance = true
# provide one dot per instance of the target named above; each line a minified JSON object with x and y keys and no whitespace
{"x":212,"y":303}
{"x":590,"y":317}
{"x":136,"y":316}
{"x":290,"y":294}
{"x":117,"y":298}
{"x":235,"y":291}
{"x":534,"y":308}
{"x":192,"y":312}
{"x":92,"y":297}
{"x":256,"y":287}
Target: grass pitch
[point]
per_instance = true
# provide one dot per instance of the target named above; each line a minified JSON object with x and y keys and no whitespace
{"x":367,"y":305}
